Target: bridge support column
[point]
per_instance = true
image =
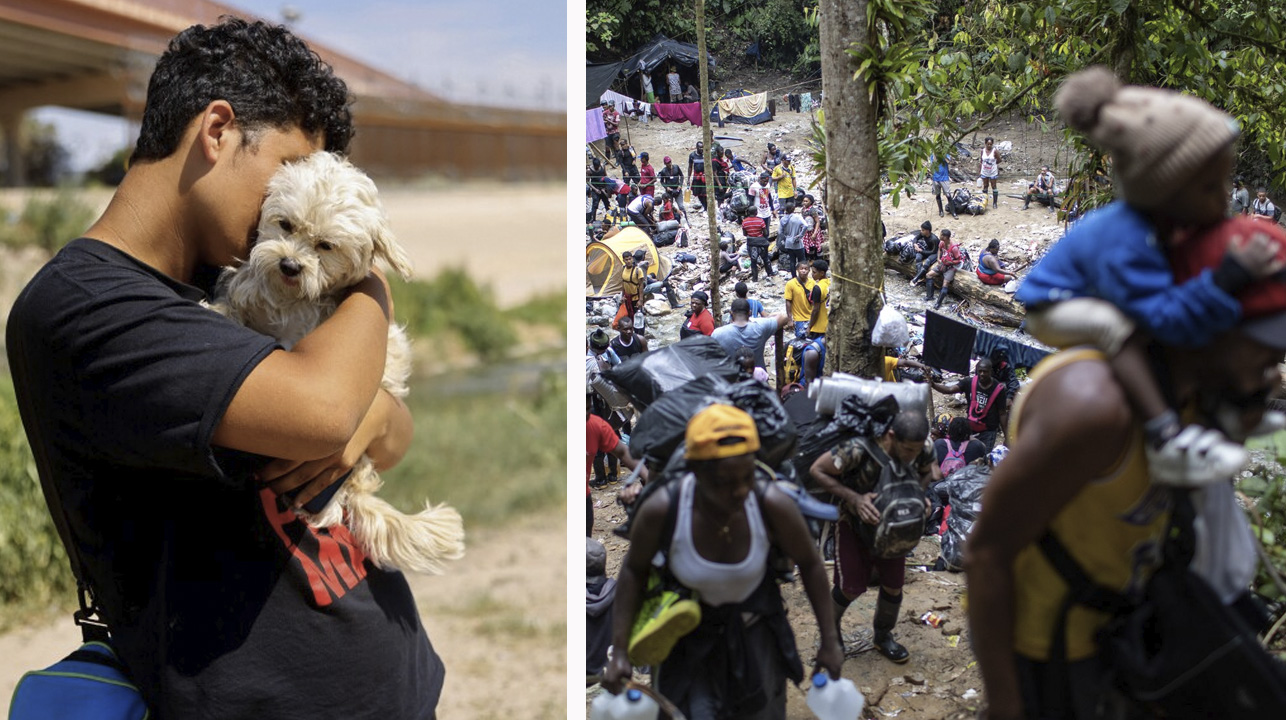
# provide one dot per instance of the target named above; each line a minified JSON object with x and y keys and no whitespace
{"x":15,"y":171}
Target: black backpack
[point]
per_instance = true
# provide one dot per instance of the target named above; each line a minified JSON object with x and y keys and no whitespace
{"x":1178,"y":648}
{"x":900,"y":504}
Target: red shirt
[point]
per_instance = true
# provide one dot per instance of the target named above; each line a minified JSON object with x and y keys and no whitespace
{"x":647,"y":180}
{"x":754,"y":226}
{"x":599,"y":437}
{"x":951,"y":256}
{"x":703,"y":323}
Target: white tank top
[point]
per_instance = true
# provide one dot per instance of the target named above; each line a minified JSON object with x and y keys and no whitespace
{"x":718,"y":583}
{"x":988,"y":162}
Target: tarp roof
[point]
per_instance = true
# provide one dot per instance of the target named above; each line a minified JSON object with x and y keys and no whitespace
{"x":661,"y":49}
{"x":603,"y":263}
{"x":598,"y":78}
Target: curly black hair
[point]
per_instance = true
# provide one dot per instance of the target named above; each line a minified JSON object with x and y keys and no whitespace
{"x":267,"y":74}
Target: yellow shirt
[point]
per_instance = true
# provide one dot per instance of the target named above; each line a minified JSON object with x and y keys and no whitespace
{"x":801,"y":310}
{"x":823,"y":314}
{"x":785,"y":182}
{"x":890,"y":369}
{"x":632,"y":283}
{"x":1113,"y":527}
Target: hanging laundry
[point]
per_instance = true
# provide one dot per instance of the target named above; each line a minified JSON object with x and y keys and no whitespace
{"x":594,"y":128}
{"x":948,"y":343}
{"x":745,"y":106}
{"x":679,"y":112}
{"x":806,"y":102}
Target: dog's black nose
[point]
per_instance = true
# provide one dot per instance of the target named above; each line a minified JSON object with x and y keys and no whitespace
{"x":289,"y":267}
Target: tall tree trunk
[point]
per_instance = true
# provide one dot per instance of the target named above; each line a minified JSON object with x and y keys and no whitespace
{"x":708,"y":134}
{"x":852,"y":182}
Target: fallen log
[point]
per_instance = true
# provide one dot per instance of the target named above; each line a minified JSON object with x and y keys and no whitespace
{"x":986,"y":302}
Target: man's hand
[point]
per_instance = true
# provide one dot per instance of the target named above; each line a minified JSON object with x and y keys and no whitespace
{"x":864,"y":506}
{"x":830,"y":657}
{"x":628,"y":494}
{"x":617,"y":672}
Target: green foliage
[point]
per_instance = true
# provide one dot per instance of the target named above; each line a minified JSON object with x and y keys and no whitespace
{"x":453,"y":303}
{"x":549,"y":310}
{"x":1268,"y":519}
{"x":34,"y":571}
{"x":495,"y":450}
{"x":49,"y":221}
{"x":617,"y":27}
{"x":43,"y":157}
{"x":779,"y":26}
{"x":938,"y":72}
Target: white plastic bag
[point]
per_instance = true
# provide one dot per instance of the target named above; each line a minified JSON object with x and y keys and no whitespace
{"x":890,"y":329}
{"x":1225,"y":553}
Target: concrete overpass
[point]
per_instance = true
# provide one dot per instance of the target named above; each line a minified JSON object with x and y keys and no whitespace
{"x":97,"y":55}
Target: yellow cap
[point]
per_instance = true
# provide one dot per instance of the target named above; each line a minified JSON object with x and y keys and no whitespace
{"x":720,"y":431}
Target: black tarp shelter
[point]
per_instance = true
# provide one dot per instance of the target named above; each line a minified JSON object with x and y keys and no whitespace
{"x":598,"y":79}
{"x":659,"y":52}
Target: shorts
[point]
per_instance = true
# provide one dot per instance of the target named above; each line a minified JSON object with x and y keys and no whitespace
{"x":995,"y":279}
{"x":854,"y":563}
{"x":940,"y":187}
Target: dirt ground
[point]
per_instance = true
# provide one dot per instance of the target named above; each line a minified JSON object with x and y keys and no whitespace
{"x":941,"y":679}
{"x":498,"y":617}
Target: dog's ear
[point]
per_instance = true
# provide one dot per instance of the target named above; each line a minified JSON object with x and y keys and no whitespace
{"x":390,"y":252}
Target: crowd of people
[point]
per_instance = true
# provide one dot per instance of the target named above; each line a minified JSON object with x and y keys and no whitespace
{"x":1101,"y":477}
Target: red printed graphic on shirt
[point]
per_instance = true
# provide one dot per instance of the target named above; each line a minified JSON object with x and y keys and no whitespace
{"x":330,"y":558}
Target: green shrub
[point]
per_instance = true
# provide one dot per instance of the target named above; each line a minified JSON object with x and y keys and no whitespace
{"x":34,"y":572}
{"x":549,"y":309}
{"x":49,"y":221}
{"x":453,"y":302}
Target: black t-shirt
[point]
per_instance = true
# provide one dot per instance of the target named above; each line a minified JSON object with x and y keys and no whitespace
{"x":974,"y":449}
{"x":979,"y":401}
{"x":222,"y":602}
{"x":670,"y":177}
{"x":625,"y":352}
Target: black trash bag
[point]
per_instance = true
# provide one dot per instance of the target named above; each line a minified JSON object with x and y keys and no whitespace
{"x":964,"y":495}
{"x":776,"y":429}
{"x":665,"y":239}
{"x":661,"y":427}
{"x":646,"y":376}
{"x":868,"y":420}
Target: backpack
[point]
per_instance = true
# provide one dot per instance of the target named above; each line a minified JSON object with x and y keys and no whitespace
{"x":900,"y":504}
{"x":954,"y":459}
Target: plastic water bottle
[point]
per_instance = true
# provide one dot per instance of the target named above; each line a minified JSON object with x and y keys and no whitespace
{"x":629,"y":705}
{"x":835,"y":699}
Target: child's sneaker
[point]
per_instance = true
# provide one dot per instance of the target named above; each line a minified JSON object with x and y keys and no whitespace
{"x":663,"y":619}
{"x":1196,"y":457}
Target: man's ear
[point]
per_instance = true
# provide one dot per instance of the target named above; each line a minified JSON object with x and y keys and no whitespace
{"x":216,"y":130}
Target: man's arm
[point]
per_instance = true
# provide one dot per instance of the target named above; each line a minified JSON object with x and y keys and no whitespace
{"x":787,"y":527}
{"x":1077,"y":428}
{"x":308,"y":403}
{"x":783,"y":319}
{"x":815,"y":299}
{"x":955,"y":387}
{"x":827,"y":475}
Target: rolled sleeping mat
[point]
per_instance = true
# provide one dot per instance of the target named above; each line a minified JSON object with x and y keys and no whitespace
{"x":667,"y":225}
{"x":829,"y":392}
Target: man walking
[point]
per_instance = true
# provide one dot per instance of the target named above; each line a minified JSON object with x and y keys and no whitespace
{"x":790,"y":238}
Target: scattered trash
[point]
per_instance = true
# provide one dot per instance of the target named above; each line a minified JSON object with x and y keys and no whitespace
{"x":969,"y":694}
{"x":932,"y":620}
{"x":953,"y":641}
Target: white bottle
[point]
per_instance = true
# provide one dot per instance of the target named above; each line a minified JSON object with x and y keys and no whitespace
{"x":835,"y":699}
{"x":629,"y":705}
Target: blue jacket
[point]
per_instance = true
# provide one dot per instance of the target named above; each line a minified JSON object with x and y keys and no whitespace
{"x":942,"y":174}
{"x":1113,"y":254}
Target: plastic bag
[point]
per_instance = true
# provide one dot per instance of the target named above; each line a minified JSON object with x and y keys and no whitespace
{"x":661,"y":427}
{"x":776,"y":430}
{"x":645,"y":377}
{"x":964,"y":491}
{"x":1225,"y":550}
{"x":890,"y":329}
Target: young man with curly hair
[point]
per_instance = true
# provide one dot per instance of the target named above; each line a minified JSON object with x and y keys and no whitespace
{"x":180,"y":444}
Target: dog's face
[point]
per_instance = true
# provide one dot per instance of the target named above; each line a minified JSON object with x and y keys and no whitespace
{"x":321,"y":229}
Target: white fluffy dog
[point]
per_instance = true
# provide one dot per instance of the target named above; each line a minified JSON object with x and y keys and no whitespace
{"x":320,"y":230}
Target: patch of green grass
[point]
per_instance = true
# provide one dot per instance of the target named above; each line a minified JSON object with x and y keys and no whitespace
{"x":549,"y":309}
{"x":48,"y":220}
{"x":34,"y":572}
{"x":492,"y":456}
{"x":453,"y":303}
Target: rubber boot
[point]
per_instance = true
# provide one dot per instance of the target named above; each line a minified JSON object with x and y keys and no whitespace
{"x":919,"y":275}
{"x":1027,"y":202}
{"x":995,"y":198}
{"x":942,"y":295}
{"x":886,"y":616}
{"x":928,"y":289}
{"x":939,"y":199}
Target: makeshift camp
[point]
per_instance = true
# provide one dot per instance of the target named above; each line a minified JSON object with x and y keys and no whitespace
{"x":740,"y":106}
{"x":661,"y":52}
{"x":598,"y":79}
{"x":603,"y":261}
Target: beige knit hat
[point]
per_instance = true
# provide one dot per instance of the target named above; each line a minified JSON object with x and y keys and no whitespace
{"x":1158,"y":138}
